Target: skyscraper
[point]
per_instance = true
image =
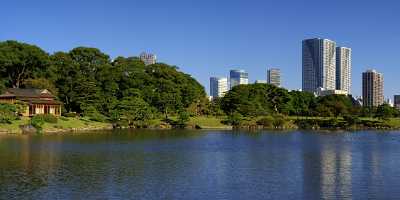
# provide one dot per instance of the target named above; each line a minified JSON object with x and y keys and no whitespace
{"x":238,"y":77}
{"x":148,"y":59}
{"x":274,"y":76}
{"x":218,"y":86}
{"x":372,"y":88}
{"x":319,"y":64}
{"x":397,"y":101}
{"x":343,"y":69}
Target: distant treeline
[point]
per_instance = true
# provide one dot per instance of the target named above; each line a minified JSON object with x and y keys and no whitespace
{"x":264,"y":99}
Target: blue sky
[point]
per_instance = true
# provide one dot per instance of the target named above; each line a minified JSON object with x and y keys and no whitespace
{"x":208,"y":37}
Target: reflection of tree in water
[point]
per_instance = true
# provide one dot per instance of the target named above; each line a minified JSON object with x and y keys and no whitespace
{"x":87,"y":165}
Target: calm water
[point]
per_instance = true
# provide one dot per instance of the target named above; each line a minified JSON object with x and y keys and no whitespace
{"x":201,"y":165}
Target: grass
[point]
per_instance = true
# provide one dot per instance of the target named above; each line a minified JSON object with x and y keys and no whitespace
{"x":14,"y":126}
{"x":63,"y":123}
{"x":208,"y":122}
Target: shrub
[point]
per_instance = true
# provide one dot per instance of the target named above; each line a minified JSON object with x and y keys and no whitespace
{"x":265,"y":121}
{"x":37,"y":121}
{"x":70,"y":114}
{"x":47,"y":118}
{"x":8,"y":113}
{"x":235,"y":119}
{"x":278,"y":121}
{"x":351,"y":120}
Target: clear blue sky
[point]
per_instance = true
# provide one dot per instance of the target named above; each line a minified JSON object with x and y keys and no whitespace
{"x":208,"y":37}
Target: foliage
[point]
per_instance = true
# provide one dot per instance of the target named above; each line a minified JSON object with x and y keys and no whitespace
{"x":266,"y":122}
{"x":8,"y":113}
{"x":37,"y":122}
{"x":48,"y":118}
{"x":135,"y":110}
{"x":235,"y":119}
{"x":41,"y":83}
{"x":255,"y":100}
{"x":183,"y":118}
{"x":385,"y":111}
{"x":20,"y":61}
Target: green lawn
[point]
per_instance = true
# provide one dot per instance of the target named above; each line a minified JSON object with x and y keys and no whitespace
{"x":63,"y":123}
{"x":208,"y":122}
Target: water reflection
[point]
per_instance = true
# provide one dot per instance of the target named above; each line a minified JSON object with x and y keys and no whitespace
{"x":200,"y":165}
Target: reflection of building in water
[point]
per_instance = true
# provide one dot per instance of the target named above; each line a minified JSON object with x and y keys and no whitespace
{"x":335,"y":171}
{"x":327,"y":171}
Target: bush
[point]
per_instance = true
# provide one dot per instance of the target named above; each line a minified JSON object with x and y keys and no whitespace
{"x":235,"y":119}
{"x":278,"y":121}
{"x":351,"y":120}
{"x":265,"y":122}
{"x":37,"y":121}
{"x":8,"y":113}
{"x":47,"y":118}
{"x":70,"y":114}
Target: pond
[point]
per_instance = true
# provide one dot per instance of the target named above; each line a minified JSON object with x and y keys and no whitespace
{"x":145,"y":164}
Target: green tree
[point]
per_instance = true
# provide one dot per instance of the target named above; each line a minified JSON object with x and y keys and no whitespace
{"x":385,"y":111}
{"x":135,"y":110}
{"x":20,"y":61}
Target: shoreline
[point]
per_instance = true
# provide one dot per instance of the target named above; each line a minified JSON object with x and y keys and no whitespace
{"x":80,"y":125}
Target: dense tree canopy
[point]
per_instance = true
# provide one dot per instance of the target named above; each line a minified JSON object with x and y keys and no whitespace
{"x":90,"y":83}
{"x":20,"y":61}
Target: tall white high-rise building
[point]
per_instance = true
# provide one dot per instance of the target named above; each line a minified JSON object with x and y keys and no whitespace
{"x":218,"y":86}
{"x":343,"y":69}
{"x":319,"y":64}
{"x":238,"y":77}
{"x":148,"y":58}
{"x":274,"y":76}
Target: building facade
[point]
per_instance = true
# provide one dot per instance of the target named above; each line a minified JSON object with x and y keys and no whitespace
{"x":238,"y":77}
{"x":274,"y":76}
{"x":261,"y":81}
{"x":372,"y":88}
{"x":318,"y":64}
{"x":148,"y":59}
{"x":218,"y":86}
{"x":34,"y":101}
{"x":397,"y":101}
{"x":343,"y":69}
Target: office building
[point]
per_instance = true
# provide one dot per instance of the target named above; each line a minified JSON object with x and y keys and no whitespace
{"x":318,"y":64}
{"x":148,"y":59}
{"x":218,"y":86}
{"x":274,"y":76}
{"x":238,"y":77}
{"x":372,"y":88}
{"x":343,"y":69}
{"x":397,"y":101}
{"x":324,"y":92}
{"x":261,"y":81}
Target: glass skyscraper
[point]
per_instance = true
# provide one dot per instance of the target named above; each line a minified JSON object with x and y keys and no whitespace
{"x":238,"y":77}
{"x":218,"y":86}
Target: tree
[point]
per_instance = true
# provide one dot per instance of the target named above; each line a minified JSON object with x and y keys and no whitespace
{"x":41,"y":83}
{"x":135,"y":110}
{"x":385,"y":111}
{"x":20,"y":61}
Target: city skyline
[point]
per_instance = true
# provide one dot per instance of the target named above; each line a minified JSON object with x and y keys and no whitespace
{"x":231,"y":34}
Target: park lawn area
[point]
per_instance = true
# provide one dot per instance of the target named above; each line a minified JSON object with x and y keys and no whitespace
{"x":208,"y":122}
{"x":393,"y":122}
{"x":71,"y":123}
{"x":63,"y":124}
{"x":14,"y":126}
